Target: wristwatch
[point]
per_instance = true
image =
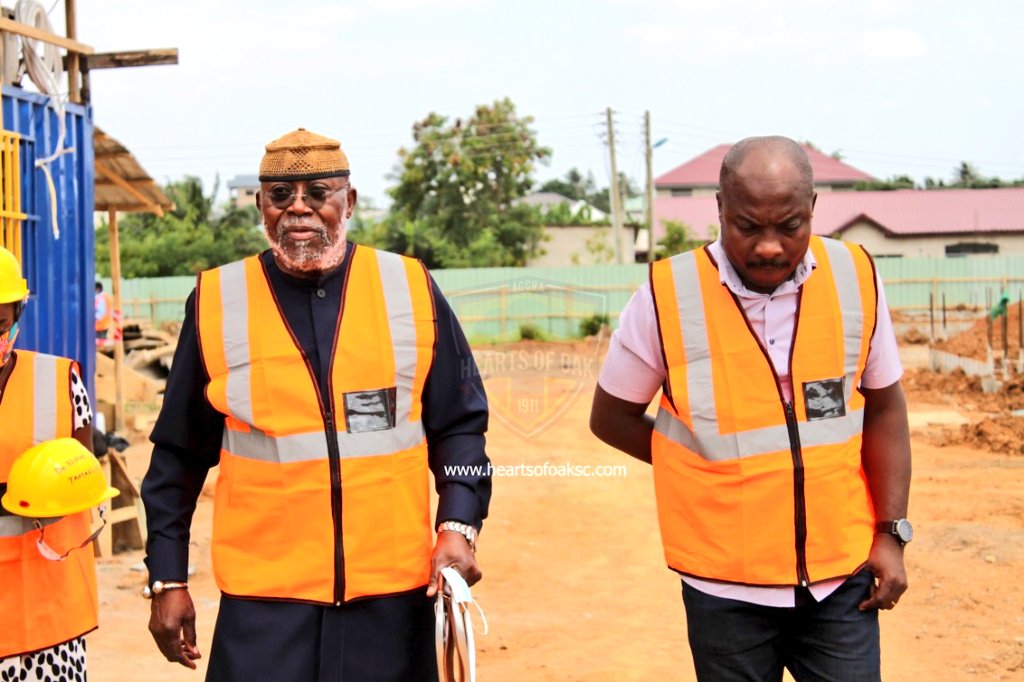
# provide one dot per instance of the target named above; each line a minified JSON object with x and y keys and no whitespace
{"x":900,"y":529}
{"x":464,"y":529}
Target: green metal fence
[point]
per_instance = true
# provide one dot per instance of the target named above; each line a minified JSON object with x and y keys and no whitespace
{"x":494,"y":303}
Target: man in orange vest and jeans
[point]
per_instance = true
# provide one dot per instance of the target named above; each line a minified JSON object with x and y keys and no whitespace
{"x":781,"y":450}
{"x":328,"y":380}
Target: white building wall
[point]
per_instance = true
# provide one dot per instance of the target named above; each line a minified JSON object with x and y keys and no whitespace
{"x":582,"y":245}
{"x":878,"y":244}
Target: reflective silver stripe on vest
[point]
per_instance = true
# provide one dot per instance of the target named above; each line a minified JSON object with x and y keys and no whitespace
{"x":699,"y":380}
{"x":306,"y":447}
{"x":234,"y":299}
{"x":705,"y":438}
{"x":844,"y":272}
{"x":311,"y":446}
{"x":12,"y":526}
{"x":44,"y":407}
{"x":715,"y":447}
{"x":398,"y":301}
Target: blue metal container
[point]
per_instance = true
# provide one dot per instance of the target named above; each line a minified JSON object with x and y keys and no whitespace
{"x":60,"y":317}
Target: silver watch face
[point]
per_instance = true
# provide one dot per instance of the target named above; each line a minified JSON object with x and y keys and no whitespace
{"x":904,"y":531}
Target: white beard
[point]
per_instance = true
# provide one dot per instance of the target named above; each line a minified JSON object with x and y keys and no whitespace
{"x":320,"y":254}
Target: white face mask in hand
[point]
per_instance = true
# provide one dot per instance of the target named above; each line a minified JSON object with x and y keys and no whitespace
{"x":453,"y":628}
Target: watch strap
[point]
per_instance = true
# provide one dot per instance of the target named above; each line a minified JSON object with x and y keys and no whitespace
{"x":464,"y":529}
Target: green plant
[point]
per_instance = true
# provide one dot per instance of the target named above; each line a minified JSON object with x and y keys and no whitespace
{"x":591,"y":326}
{"x":530,"y":332}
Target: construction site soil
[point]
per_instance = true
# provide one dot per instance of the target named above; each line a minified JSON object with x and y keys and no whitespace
{"x":974,"y":342}
{"x":575,"y":585}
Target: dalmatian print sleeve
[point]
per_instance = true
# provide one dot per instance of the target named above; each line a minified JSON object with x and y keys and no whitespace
{"x":82,"y":412}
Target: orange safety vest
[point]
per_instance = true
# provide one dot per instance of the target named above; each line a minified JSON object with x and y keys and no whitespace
{"x":43,"y":602}
{"x":752,"y":489}
{"x":103,"y":323}
{"x":319,"y":502}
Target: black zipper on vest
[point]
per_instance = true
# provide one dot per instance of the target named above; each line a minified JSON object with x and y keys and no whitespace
{"x":799,"y":500}
{"x":333,"y":450}
{"x":334,"y":457}
{"x":324,"y":397}
{"x":799,"y":497}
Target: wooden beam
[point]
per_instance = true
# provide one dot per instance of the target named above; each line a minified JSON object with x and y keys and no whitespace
{"x":112,"y":175}
{"x":133,"y":208}
{"x":74,"y":94}
{"x":38,"y":34}
{"x":117,"y":60}
{"x":112,"y":155}
{"x":115,"y":281}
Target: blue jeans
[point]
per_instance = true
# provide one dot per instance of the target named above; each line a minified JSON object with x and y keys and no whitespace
{"x":733,"y":641}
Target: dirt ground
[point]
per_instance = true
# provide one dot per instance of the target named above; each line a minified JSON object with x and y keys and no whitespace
{"x":575,"y":586}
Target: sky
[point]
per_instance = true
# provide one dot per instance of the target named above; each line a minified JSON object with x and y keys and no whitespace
{"x":896,"y":86}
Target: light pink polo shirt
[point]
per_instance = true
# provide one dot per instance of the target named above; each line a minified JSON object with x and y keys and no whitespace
{"x":634,"y":370}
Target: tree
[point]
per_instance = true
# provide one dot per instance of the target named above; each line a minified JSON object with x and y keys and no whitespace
{"x":573,"y":185}
{"x":677,"y":239}
{"x":967,"y":176}
{"x":454,"y":204}
{"x":184,"y":241}
{"x":893,"y":183}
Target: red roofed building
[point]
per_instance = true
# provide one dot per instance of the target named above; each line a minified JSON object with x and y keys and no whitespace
{"x":900,"y":223}
{"x":700,"y":175}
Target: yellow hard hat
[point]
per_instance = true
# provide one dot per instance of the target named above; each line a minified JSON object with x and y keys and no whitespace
{"x":55,"y":478}
{"x":13,"y":287}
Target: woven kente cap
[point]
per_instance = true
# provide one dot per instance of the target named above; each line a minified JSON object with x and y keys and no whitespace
{"x":302,"y":155}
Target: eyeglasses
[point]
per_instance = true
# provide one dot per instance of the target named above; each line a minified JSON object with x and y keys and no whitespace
{"x":283,"y":196}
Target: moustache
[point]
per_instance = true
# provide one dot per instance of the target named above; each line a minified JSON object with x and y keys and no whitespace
{"x":294,"y":223}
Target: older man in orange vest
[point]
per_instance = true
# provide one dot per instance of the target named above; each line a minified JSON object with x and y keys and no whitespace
{"x":781,"y":451}
{"x":327,"y":380}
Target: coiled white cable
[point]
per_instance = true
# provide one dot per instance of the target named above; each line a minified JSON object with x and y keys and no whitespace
{"x":45,"y":72}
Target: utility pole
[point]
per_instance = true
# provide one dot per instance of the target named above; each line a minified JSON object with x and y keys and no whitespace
{"x":649,"y":190}
{"x":616,"y":197}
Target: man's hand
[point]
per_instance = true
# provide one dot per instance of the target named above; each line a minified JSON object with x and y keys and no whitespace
{"x":452,"y":549}
{"x":172,"y":622}
{"x":886,"y":563}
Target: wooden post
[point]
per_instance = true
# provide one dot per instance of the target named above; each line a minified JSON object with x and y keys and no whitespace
{"x":931,"y":315}
{"x":649,"y":188}
{"x":1006,"y":344}
{"x":988,"y":324}
{"x":115,"y":279}
{"x":944,"y":334}
{"x":504,"y":311}
{"x":616,"y":196}
{"x":73,"y":91}
{"x":1020,"y":332}
{"x":152,"y":309}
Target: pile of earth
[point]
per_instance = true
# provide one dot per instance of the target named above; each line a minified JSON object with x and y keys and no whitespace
{"x":1003,"y":434}
{"x":993,"y":428}
{"x":973,"y":343}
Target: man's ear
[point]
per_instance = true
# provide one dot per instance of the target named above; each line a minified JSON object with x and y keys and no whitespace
{"x":259,"y":200}
{"x":352,"y":195}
